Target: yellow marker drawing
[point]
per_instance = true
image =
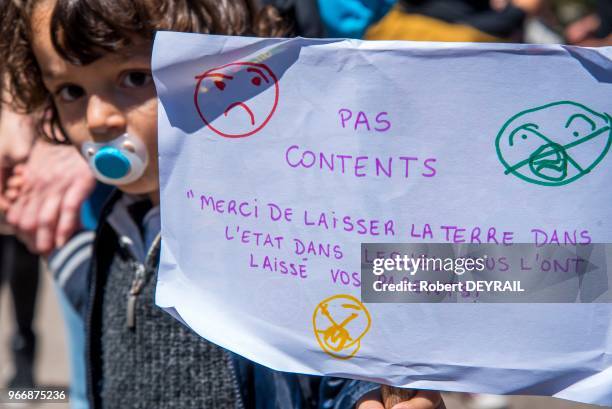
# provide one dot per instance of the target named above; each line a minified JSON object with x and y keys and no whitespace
{"x":339,"y":323}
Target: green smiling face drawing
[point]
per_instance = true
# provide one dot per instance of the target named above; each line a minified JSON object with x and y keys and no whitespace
{"x":554,"y":144}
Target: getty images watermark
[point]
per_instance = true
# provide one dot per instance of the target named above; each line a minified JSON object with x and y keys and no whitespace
{"x":453,"y":273}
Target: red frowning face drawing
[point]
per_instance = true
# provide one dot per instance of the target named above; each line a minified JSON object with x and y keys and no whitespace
{"x":237,"y":99}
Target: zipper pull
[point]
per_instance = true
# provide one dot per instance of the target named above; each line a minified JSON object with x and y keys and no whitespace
{"x":131,"y":311}
{"x":135,"y":290}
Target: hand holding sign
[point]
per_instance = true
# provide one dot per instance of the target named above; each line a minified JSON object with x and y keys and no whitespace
{"x":396,"y":398}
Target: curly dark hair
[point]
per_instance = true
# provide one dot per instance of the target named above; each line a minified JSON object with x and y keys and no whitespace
{"x":84,"y":30}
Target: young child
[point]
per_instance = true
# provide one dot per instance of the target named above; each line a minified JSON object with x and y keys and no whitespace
{"x":87,"y":64}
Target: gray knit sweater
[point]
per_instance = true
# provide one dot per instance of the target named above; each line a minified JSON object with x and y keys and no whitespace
{"x":159,"y":363}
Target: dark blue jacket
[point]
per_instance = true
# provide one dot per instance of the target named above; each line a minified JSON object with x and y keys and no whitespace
{"x":259,"y":387}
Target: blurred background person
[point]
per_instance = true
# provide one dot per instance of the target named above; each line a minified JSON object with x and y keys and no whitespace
{"x":455,"y":20}
{"x":19,"y":270}
{"x":594,"y":29}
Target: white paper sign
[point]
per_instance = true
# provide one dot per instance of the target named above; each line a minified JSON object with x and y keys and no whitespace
{"x":278,"y":157}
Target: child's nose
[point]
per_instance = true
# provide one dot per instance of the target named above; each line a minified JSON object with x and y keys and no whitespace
{"x":104,"y":119}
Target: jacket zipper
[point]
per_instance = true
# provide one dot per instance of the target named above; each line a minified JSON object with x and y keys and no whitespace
{"x":143,"y":271}
{"x":135,"y":289}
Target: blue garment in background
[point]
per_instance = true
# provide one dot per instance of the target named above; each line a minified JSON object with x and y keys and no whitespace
{"x":91,"y":208}
{"x":351,"y":18}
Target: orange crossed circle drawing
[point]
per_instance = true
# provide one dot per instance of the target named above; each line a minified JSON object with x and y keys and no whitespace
{"x":339,"y":323}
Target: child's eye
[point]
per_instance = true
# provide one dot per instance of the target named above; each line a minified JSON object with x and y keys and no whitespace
{"x":136,"y":79}
{"x":70,"y":93}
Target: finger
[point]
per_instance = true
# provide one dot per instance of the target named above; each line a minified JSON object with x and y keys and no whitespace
{"x":5,"y":204}
{"x":3,"y":175}
{"x":4,"y":172}
{"x":13,"y":214}
{"x":19,"y":169}
{"x":70,"y":214}
{"x":422,"y":400}
{"x":26,"y":183}
{"x":28,"y":221}
{"x":15,"y":181}
{"x":11,"y":195}
{"x":371,"y":400}
{"x":14,"y":188}
{"x":47,"y":223}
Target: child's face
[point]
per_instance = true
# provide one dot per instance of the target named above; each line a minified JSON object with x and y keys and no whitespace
{"x":103,"y":100}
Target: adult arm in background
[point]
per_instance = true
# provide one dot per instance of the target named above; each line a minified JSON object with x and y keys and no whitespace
{"x":48,"y":183}
{"x":47,"y":192}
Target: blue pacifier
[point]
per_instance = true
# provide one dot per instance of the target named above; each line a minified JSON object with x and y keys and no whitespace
{"x":118,"y":162}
